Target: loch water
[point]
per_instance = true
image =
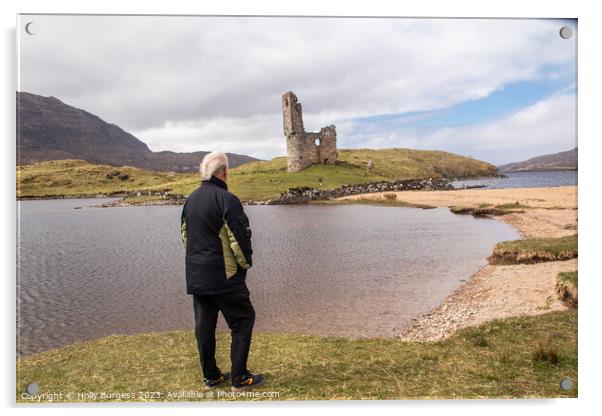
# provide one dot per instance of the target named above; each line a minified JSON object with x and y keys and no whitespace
{"x":354,"y":270}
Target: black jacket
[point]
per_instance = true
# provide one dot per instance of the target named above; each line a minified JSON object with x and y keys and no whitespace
{"x":217,"y":236}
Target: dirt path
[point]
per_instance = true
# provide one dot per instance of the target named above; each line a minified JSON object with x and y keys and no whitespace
{"x":500,"y":291}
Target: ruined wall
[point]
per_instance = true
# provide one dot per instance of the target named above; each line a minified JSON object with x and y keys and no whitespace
{"x":299,"y":156}
{"x":292,"y":115}
{"x":305,"y":148}
{"x":327,"y":150}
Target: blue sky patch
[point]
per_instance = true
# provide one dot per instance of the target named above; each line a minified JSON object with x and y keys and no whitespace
{"x":509,"y":99}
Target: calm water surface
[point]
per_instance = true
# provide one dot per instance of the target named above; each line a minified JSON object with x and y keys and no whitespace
{"x":361,"y":271}
{"x":525,"y":180}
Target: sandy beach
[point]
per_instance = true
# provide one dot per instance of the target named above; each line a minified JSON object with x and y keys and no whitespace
{"x":499,"y":291}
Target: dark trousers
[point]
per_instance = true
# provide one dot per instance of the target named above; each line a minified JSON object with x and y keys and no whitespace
{"x":240,"y":316}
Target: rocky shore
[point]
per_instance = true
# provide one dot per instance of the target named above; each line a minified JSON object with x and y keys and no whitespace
{"x":298,"y":195}
{"x":166,"y":199}
{"x":305,"y":194}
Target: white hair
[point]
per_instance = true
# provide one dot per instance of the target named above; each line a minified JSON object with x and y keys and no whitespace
{"x":213,"y":163}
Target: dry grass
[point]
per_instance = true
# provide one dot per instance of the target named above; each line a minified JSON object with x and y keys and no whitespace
{"x":77,"y":178}
{"x":546,"y":354}
{"x":501,"y":358}
{"x":490,"y":210}
{"x":513,"y":206}
{"x":535,"y":250}
{"x":567,"y":288}
{"x":480,"y":211}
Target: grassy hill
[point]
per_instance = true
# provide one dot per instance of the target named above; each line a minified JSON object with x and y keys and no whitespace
{"x":251,"y":181}
{"x":79,"y":178}
{"x":261,"y":180}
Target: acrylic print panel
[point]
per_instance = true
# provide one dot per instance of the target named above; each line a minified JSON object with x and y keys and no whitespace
{"x":397,"y":220}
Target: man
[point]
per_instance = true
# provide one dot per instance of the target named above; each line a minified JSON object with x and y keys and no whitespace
{"x":217,"y":237}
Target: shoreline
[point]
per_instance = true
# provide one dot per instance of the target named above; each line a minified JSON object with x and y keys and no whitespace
{"x":499,"y":291}
{"x":482,"y":298}
{"x":368,"y":197}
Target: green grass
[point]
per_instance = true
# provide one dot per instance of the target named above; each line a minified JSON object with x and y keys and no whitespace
{"x":567,"y":288}
{"x":481,"y":211}
{"x":515,"y":357}
{"x":486,"y":209}
{"x":264,"y":180}
{"x":409,"y":163}
{"x":569,"y":278}
{"x":80,"y":178}
{"x":252,"y":181}
{"x":534,"y":250}
{"x":513,"y":206}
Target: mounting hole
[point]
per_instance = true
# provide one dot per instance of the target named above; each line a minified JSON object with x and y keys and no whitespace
{"x":566,"y":32}
{"x":31,"y":28}
{"x":32,"y":389}
{"x":566,"y":384}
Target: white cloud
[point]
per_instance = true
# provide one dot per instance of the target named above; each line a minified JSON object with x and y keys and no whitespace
{"x":182,"y":83}
{"x":547,"y":126}
{"x":253,"y":135}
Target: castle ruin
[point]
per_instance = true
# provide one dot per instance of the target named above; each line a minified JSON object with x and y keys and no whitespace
{"x":306,"y":148}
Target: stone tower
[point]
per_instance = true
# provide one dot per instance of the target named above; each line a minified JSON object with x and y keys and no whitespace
{"x":306,"y":148}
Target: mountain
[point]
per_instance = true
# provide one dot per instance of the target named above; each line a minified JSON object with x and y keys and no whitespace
{"x":48,"y":129}
{"x":556,"y":161}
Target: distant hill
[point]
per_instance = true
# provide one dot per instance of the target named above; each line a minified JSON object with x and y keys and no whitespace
{"x":48,"y":129}
{"x":252,"y":181}
{"x":556,"y":161}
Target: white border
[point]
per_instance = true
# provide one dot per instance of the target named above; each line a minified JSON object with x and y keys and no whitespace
{"x":589,"y":160}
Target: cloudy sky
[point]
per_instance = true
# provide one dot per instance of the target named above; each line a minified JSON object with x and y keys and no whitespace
{"x":497,"y":90}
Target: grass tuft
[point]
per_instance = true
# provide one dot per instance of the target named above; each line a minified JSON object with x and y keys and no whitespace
{"x":535,"y":250}
{"x":511,"y":206}
{"x":487,"y":210}
{"x":480,"y":341}
{"x":566,"y":288}
{"x":546,"y":354}
{"x":480,"y":211}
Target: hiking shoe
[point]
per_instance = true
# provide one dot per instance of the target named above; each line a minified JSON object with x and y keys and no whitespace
{"x":249,"y":381}
{"x":211,"y":383}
